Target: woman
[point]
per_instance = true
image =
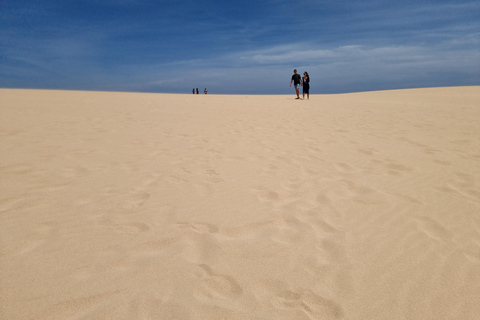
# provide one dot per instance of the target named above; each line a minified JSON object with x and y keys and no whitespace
{"x":306,"y":85}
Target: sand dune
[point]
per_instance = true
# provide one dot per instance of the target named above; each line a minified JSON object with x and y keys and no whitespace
{"x":162,"y":206}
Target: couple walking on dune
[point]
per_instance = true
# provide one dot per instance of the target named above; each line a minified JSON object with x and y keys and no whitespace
{"x":299,"y":81}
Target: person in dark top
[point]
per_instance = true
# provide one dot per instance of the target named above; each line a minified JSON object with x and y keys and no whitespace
{"x":193,"y":91}
{"x":296,"y":82}
{"x":306,"y":85}
{"x":197,"y":90}
{"x":205,"y":91}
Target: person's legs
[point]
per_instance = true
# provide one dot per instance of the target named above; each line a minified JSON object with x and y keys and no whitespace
{"x":297,"y":90}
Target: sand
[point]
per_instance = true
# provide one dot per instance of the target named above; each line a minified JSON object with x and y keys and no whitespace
{"x":164,"y":206}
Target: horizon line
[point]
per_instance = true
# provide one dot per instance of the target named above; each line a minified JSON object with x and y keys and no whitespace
{"x":233,"y":94}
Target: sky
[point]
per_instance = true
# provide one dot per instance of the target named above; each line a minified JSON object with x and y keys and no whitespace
{"x":238,"y":47}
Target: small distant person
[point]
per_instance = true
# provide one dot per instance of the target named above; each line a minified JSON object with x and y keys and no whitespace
{"x":197,"y":90}
{"x":296,"y":82}
{"x":193,"y":90}
{"x":205,"y":91}
{"x":306,"y":85}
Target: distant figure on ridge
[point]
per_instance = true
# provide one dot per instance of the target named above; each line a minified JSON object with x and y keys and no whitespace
{"x":197,"y":90}
{"x":296,"y":82}
{"x":193,"y":90}
{"x":306,"y":85}
{"x":205,"y":91}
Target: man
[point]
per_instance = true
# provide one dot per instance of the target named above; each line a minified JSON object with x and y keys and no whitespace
{"x":296,"y":83}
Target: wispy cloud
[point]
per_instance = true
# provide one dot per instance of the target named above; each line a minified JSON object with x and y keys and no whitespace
{"x":340,"y":69}
{"x":238,"y":47}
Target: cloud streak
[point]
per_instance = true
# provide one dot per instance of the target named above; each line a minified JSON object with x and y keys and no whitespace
{"x":341,"y":69}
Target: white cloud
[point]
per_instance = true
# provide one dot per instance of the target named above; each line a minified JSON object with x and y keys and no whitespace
{"x":355,"y":67}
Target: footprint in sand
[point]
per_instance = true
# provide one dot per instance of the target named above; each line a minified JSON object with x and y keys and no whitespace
{"x":367,"y":151}
{"x":74,"y":172}
{"x":312,"y":304}
{"x":266,"y":195}
{"x":323,"y":199}
{"x":155,"y":247}
{"x":318,"y":223}
{"x":343,"y":167}
{"x":212,"y":175}
{"x":132,"y":228}
{"x":290,"y":230}
{"x":214,"y":286}
{"x":135,"y":200}
{"x":397,"y":168}
{"x":331,"y":249}
{"x":250,"y":230}
{"x":175,"y":179}
{"x":199,"y":227}
{"x":442,"y":162}
{"x":315,"y":306}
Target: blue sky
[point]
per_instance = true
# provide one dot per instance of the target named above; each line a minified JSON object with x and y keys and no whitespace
{"x":238,"y":47}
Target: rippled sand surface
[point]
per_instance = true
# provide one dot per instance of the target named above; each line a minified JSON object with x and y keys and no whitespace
{"x":159,"y":206}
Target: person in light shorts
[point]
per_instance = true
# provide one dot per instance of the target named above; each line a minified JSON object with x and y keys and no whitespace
{"x":296,"y":79}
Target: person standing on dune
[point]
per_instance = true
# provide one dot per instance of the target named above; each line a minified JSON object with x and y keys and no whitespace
{"x":306,"y":85}
{"x":296,"y":82}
